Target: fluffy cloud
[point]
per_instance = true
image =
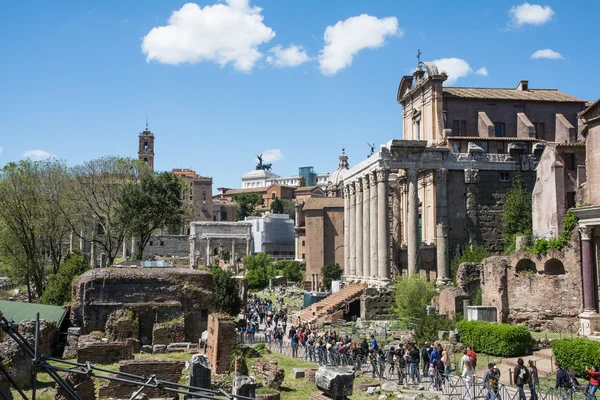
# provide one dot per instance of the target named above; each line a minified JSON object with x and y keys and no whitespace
{"x":482,"y":71}
{"x":37,"y":155}
{"x":455,"y":68}
{"x":346,"y":38}
{"x":530,"y":14}
{"x":272,"y":155}
{"x":223,"y":33}
{"x":547,"y":53}
{"x":288,"y":57}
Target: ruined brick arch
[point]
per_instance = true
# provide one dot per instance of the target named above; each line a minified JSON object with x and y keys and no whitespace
{"x":525,"y":265}
{"x":554,"y":267}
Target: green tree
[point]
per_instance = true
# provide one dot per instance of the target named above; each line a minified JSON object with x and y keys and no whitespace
{"x":225,"y":255}
{"x":516,"y":213}
{"x":429,"y":325}
{"x":331,"y":272}
{"x":259,"y":269}
{"x":277,"y":206}
{"x":292,"y":270}
{"x":411,"y":295}
{"x":150,"y":204}
{"x":226,"y":292}
{"x":58,"y":290}
{"x":245,"y":204}
{"x":289,"y":208}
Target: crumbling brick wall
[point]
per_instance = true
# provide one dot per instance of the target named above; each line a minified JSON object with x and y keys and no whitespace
{"x":164,"y":370}
{"x":48,"y":334}
{"x":221,"y":341}
{"x":103,"y":353}
{"x":169,"y":332}
{"x":121,"y":325}
{"x":269,"y":371}
{"x":83,"y":385}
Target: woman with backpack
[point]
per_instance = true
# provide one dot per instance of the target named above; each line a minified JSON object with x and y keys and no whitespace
{"x":521,"y":377}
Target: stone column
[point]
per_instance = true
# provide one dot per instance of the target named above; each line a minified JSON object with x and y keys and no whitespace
{"x":192,"y":251}
{"x":587,"y":264}
{"x":346,"y":231}
{"x":207,"y":262}
{"x":441,"y":242}
{"x":124,"y":249}
{"x":412,"y":222}
{"x":133,"y":247}
{"x":81,"y":242}
{"x":352,"y":215}
{"x":232,"y":260}
{"x":366,"y":251}
{"x":383,"y":226}
{"x":373,"y":260}
{"x":71,"y":242}
{"x":359,"y":229}
{"x":248,"y":250}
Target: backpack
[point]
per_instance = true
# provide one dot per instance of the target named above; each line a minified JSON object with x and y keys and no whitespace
{"x":493,"y":380}
{"x":523,"y":374}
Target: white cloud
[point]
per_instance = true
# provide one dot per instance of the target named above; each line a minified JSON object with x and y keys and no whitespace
{"x":482,"y":71}
{"x":547,"y":53}
{"x":272,"y":155}
{"x":455,"y":68}
{"x":37,"y":155}
{"x":532,"y":14}
{"x":346,"y":38}
{"x":288,"y":57}
{"x":223,"y":33}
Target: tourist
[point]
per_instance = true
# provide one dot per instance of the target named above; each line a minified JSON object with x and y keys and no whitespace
{"x":268,"y":334}
{"x":414,"y":364}
{"x":534,"y":380}
{"x":310,"y":349}
{"x":440,"y":368}
{"x":435,"y":355}
{"x":467,"y":372}
{"x":594,"y":379}
{"x":425,"y":352}
{"x":431,"y":374}
{"x":521,"y":376}
{"x":562,"y":381}
{"x":374,"y":345}
{"x":490,"y":382}
{"x":473,"y":356}
{"x":446,"y":360}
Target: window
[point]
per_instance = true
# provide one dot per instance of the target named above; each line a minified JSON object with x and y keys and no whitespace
{"x":539,"y":130}
{"x":460,"y":128}
{"x":456,"y":147}
{"x":145,"y":146}
{"x":150,"y":244}
{"x":417,"y":130}
{"x":303,"y":243}
{"x":504,"y":177}
{"x":162,"y":243}
{"x":499,"y":126}
{"x":501,"y":148}
{"x":273,"y":196}
{"x":570,"y":199}
{"x":484,"y":146}
{"x":303,"y":256}
{"x":204,"y":196}
{"x":570,"y":161}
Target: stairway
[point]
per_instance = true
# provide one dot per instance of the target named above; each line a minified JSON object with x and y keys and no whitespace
{"x":332,"y":303}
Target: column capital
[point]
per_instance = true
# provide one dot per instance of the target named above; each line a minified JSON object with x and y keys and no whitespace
{"x":347,"y":191}
{"x":585,"y":231}
{"x":412,"y":173}
{"x":373,"y":178}
{"x":358,"y":185}
{"x":352,"y":189}
{"x":382,"y":175}
{"x":366,"y":180}
{"x":441,"y":174}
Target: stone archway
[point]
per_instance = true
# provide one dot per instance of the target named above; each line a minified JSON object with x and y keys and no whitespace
{"x":554,"y":267}
{"x":525,"y":266}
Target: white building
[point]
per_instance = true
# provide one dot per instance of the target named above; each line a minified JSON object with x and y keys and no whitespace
{"x":263,"y":178}
{"x":273,"y":234}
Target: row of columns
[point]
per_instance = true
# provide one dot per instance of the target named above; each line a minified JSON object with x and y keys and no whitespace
{"x":367,"y":230}
{"x":207,"y":255}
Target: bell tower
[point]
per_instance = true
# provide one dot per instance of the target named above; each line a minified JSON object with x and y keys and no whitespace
{"x":146,"y":147}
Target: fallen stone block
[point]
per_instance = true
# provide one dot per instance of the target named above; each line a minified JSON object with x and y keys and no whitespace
{"x":147,"y":349}
{"x":297,"y":373}
{"x":372,"y":390}
{"x":243,"y":386}
{"x":159,"y":349}
{"x":200,"y":372}
{"x":335,"y":382}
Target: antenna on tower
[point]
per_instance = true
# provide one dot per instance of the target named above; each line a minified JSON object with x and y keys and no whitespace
{"x":146,"y":120}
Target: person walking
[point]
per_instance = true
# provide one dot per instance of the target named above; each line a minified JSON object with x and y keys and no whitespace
{"x":521,"y":377}
{"x":562,"y":381}
{"x":534,"y":380}
{"x":594,"y":380}
{"x":467,"y":373}
{"x":425,"y":352}
{"x":414,"y":365}
{"x":490,"y":382}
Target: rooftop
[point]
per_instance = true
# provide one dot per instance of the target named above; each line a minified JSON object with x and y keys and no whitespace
{"x":552,"y":95}
{"x":16,"y":311}
{"x":323,"y":202}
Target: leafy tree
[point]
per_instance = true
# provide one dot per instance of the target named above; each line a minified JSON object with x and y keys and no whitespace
{"x":277,"y":206}
{"x":225,"y":255}
{"x":153,"y":203}
{"x":58,"y":290}
{"x":289,"y":208}
{"x":411,"y":295}
{"x":331,"y":272}
{"x":95,"y":190}
{"x":259,"y":269}
{"x":245,"y":204}
{"x":292,"y":270}
{"x":516,"y":213}
{"x":428,"y":326}
{"x":226,"y":293}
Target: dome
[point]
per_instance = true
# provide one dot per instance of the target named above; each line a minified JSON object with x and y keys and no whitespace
{"x":337,"y":176}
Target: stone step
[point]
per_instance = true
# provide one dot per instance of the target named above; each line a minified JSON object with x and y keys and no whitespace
{"x":544,"y":353}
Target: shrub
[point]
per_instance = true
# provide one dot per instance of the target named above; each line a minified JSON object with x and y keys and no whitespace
{"x":516,"y":213}
{"x":542,"y":246}
{"x":411,"y":295}
{"x":331,"y":272}
{"x":428,"y":326}
{"x":576,"y":353}
{"x":493,"y":338}
{"x":58,"y":290}
{"x":227,"y":299}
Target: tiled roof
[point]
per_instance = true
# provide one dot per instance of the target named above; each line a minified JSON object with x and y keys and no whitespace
{"x":306,"y":188}
{"x":16,"y":311}
{"x":261,"y":189}
{"x":319,"y":203}
{"x":510,"y":94}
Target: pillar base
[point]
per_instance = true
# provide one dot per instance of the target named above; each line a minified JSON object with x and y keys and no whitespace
{"x":589,"y":322}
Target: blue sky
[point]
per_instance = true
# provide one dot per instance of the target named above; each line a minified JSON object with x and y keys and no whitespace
{"x":223,"y":81}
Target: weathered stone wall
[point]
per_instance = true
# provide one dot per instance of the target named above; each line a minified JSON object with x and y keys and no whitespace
{"x":221,"y":341}
{"x":450,"y":301}
{"x":168,"y":246}
{"x":153,"y":294}
{"x":121,"y":325}
{"x":83,"y":385}
{"x":163,"y":369}
{"x":541,"y":299}
{"x":169,"y":332}
{"x":103,"y":353}
{"x":375,"y":304}
{"x":48,"y":334}
{"x":269,"y":371}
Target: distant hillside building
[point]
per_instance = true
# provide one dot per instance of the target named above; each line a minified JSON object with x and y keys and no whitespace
{"x":274,"y":235}
{"x":197,"y":195}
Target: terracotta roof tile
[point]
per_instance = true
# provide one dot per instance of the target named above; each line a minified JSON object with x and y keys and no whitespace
{"x":319,"y":203}
{"x":510,"y":94}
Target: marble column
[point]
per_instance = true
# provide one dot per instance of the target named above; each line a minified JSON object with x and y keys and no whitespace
{"x":207,"y":262}
{"x":441,"y":213}
{"x":346,"y":231}
{"x":359,"y":229}
{"x":383,"y":226}
{"x":248,"y":247}
{"x":232,"y":259}
{"x":192,"y":252}
{"x":133,"y":247}
{"x":352,"y":231}
{"x":587,"y":264}
{"x":373,"y":261}
{"x":412,"y":222}
{"x":71,"y":240}
{"x":81,"y":242}
{"x":366,"y":251}
{"x":124,"y":249}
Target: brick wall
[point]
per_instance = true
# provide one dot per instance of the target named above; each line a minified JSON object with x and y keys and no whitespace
{"x":168,"y":246}
{"x":169,"y":332}
{"x":221,"y":341}
{"x":164,"y":370}
{"x":103,"y":353}
{"x":83,"y":385}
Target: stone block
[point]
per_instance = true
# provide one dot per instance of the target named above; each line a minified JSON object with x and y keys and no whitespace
{"x":243,"y":386}
{"x":309,"y":374}
{"x":200,"y":372}
{"x":81,"y":383}
{"x":159,"y":348}
{"x":297,"y":373}
{"x":272,"y":375}
{"x":147,"y":349}
{"x":335,"y":382}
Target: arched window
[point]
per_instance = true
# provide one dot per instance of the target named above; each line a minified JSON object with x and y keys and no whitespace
{"x":273,"y":196}
{"x":145,"y":161}
{"x":554,"y":267}
{"x":526,"y":266}
{"x":145,"y":146}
